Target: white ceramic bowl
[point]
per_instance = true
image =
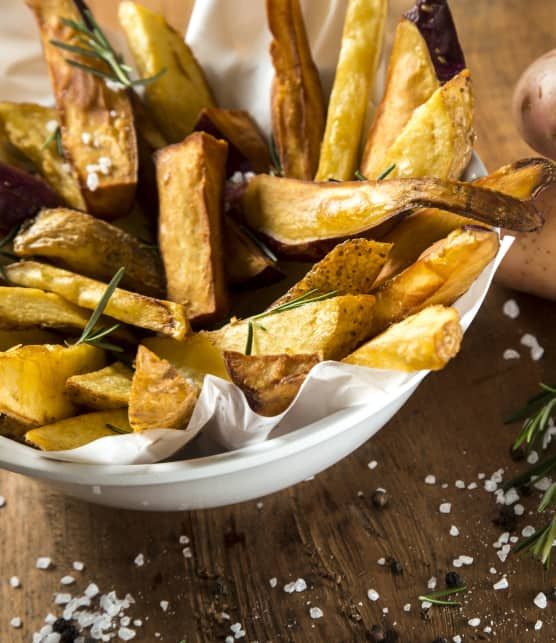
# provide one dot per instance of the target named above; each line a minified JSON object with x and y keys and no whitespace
{"x":215,"y":480}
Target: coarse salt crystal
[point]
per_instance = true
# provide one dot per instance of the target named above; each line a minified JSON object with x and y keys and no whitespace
{"x":235,"y":627}
{"x":445,"y":508}
{"x":91,"y":590}
{"x":454,"y":531}
{"x":527,"y":531}
{"x":78,"y":565}
{"x":511,"y":309}
{"x":426,"y":605}
{"x":430,"y":479}
{"x":273,"y":582}
{"x":126,"y":634}
{"x":381,"y":561}
{"x":62,"y":599}
{"x":53,"y":637}
{"x":260,"y":504}
{"x":474,"y":622}
{"x":385,"y":610}
{"x":300,"y":585}
{"x":316,"y":612}
{"x":460,"y":484}
{"x":67,"y":580}
{"x":43,"y":562}
{"x":92,"y":181}
{"x":492,"y":570}
{"x":164,"y":605}
{"x":538,"y":625}
{"x":139,"y":560}
{"x":184,"y":540}
{"x":511,"y":353}
{"x":125,"y":621}
{"x":289,"y":588}
{"x":533,"y":457}
{"x":472,"y":485}
{"x":407,"y":607}
{"x":487,"y":629}
{"x":431,"y":583}
{"x":501,"y":584}
{"x":511,"y":496}
{"x":456,"y":638}
{"x":540,"y":600}
{"x":536,"y":353}
{"x":457,"y":563}
{"x":529,"y":340}
{"x":543,"y":484}
{"x":229,"y":639}
{"x":519,"y":509}
{"x":498,"y":476}
{"x":373,"y":595}
{"x":372,"y":464}
{"x":15,"y":582}
{"x":2,"y":501}
{"x":187,"y":553}
{"x":113,"y":85}
{"x":466,"y":560}
{"x":444,"y":485}
{"x":16,"y":622}
{"x":490,"y":486}
{"x":52,"y":126}
{"x":137,"y":622}
{"x":503,"y":553}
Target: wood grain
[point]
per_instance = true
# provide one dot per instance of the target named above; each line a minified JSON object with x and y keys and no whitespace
{"x":327,"y":530}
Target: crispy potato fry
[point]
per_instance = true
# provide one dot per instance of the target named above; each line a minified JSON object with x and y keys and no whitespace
{"x":269,"y":382}
{"x":332,"y":327}
{"x":350,"y":269}
{"x":355,"y":74}
{"x":79,"y":430}
{"x":247,"y":148}
{"x":190,"y":183}
{"x":34,"y":377}
{"x":301,"y":219}
{"x":177,"y":97}
{"x":157,"y":315}
{"x":297,"y":104}
{"x":425,"y":341}
{"x":410,"y":82}
{"x":436,"y":141}
{"x":11,"y":338}
{"x":440,"y":275}
{"x":102,"y":390}
{"x":523,"y":180}
{"x":27,"y":128}
{"x":89,"y":111}
{"x":161,"y":397}
{"x":92,"y":247}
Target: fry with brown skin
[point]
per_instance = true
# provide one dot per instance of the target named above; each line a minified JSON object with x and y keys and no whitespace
{"x":269,"y":382}
{"x":161,"y":398}
{"x":425,"y":341}
{"x":89,"y":111}
{"x":297,"y":104}
{"x":108,"y":388}
{"x":190,"y":182}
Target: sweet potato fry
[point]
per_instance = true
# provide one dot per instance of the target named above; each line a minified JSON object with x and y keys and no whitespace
{"x":157,"y":315}
{"x":424,"y":341}
{"x":97,"y":122}
{"x":161,"y":398}
{"x":297,"y":105}
{"x":270,"y":382}
{"x":190,"y":183}
{"x":355,"y":74}
{"x":108,"y":388}
{"x":442,"y":273}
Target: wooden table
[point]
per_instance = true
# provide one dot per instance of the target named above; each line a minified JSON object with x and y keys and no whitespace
{"x":327,"y":531}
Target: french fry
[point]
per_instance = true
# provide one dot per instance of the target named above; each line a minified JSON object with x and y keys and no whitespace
{"x":11,"y":338}
{"x":97,"y":122}
{"x":108,"y":388}
{"x":297,"y":104}
{"x":436,"y":141}
{"x":92,"y":247}
{"x":190,"y":183}
{"x":440,"y":275}
{"x":269,"y":382}
{"x":411,"y":81}
{"x":157,"y":315}
{"x":427,"y":340}
{"x":359,"y":55}
{"x":77,"y":431}
{"x":27,"y":128}
{"x":178,"y":96}
{"x":160,"y":396}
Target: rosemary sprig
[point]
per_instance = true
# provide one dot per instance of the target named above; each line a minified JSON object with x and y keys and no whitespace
{"x":386,"y":172}
{"x":276,"y":167}
{"x":92,"y":336}
{"x":259,"y":243}
{"x":94,"y":44}
{"x":541,"y":542}
{"x":538,"y":411}
{"x":55,"y":135}
{"x":359,"y":176}
{"x":116,"y":429}
{"x":306,"y":298}
{"x":537,"y":471}
{"x":436,"y":597}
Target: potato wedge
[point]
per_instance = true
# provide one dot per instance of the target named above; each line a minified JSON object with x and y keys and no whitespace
{"x":425,"y":341}
{"x":79,"y":430}
{"x":97,"y":122}
{"x":349,"y":269}
{"x":190,"y":183}
{"x":523,"y":180}
{"x":102,"y":390}
{"x":247,"y":148}
{"x":27,"y":128}
{"x":92,"y":247}
{"x":297,"y":104}
{"x":332,"y":327}
{"x":161,"y":397}
{"x":355,"y":74}
{"x":440,"y":275}
{"x":34,"y":377}
{"x":410,"y":82}
{"x":157,"y":315}
{"x":176,"y":98}
{"x":269,"y":382}
{"x":194,"y":357}
{"x":436,"y":141}
{"x":11,"y":338}
{"x":301,"y":219}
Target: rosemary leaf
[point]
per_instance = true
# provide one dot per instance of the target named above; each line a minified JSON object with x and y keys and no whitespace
{"x":359,"y":176}
{"x":10,"y":236}
{"x":276,"y":168}
{"x":539,"y":470}
{"x":115,"y":429}
{"x":436,"y":597}
{"x":538,"y":411}
{"x":386,"y":172}
{"x":260,"y":244}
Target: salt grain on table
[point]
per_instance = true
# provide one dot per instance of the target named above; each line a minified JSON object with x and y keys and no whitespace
{"x":373,"y":595}
{"x":372,"y":464}
{"x":445,"y":508}
{"x":316,"y":612}
{"x":67,"y":580}
{"x":2,"y":501}
{"x":510,"y":353}
{"x":139,"y":560}
{"x":540,"y":600}
{"x":16,"y":622}
{"x":407,"y":607}
{"x":164,"y":606}
{"x":430,"y":479}
{"x":501,"y":584}
{"x":538,"y":625}
{"x":273,"y":582}
{"x":43,"y":562}
{"x":431,"y":583}
{"x":15,"y":582}
{"x":532,"y":457}
{"x":78,"y":565}
{"x":474,"y":622}
{"x":511,"y":309}
{"x":454,"y":531}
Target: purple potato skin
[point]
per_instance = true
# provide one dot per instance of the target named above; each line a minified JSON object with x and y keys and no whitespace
{"x":21,"y":196}
{"x":434,"y":20}
{"x":534,"y":105}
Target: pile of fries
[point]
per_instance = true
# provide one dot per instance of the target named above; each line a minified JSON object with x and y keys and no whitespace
{"x":136,"y":221}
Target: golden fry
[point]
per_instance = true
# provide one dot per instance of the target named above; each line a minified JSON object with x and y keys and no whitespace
{"x":108,"y":388}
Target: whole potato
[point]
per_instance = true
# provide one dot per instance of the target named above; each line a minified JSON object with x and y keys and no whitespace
{"x":534,"y":104}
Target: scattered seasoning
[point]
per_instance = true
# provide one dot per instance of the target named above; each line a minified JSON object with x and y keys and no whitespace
{"x":15,"y":582}
{"x":538,"y":625}
{"x":407,"y":607}
{"x":373,"y":595}
{"x":501,"y":584}
{"x":460,"y":484}
{"x":395,"y":567}
{"x":511,"y":353}
{"x":372,"y":464}
{"x":184,"y":540}
{"x":511,"y":309}
{"x":431,"y":583}
{"x":67,"y":580}
{"x":531,"y":342}
{"x":2,"y":501}
{"x":474,"y":622}
{"x":164,"y":606}
{"x":260,"y":505}
{"x":316,"y":612}
{"x":298,"y":585}
{"x":273,"y":582}
{"x":381,"y":561}
{"x":445,"y":508}
{"x":78,"y":566}
{"x":437,"y":598}
{"x":454,"y":531}
{"x":139,"y":560}
{"x":453,"y":579}
{"x":16,"y":622}
{"x":187,"y":553}
{"x":430,"y":479}
{"x":380,"y":498}
{"x":540,"y":600}
{"x":43,"y":562}
{"x":91,"y":590}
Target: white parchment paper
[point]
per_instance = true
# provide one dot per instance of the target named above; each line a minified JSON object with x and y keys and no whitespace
{"x":231,"y":41}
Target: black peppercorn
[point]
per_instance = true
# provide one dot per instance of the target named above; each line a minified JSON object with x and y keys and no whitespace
{"x":395,"y":567}
{"x":551,"y":594}
{"x":67,"y":630}
{"x":453,"y":579}
{"x":517,"y":455}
